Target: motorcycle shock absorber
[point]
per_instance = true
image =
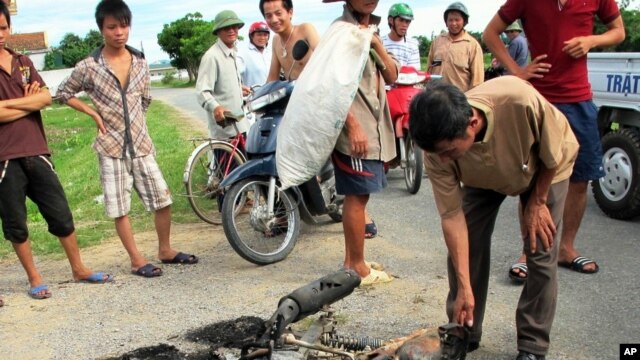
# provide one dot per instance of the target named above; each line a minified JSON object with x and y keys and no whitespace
{"x":350,"y":343}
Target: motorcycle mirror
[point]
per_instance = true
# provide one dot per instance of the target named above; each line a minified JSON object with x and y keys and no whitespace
{"x":300,"y":49}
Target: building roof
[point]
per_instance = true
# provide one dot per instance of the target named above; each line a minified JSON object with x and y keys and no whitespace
{"x":28,"y":41}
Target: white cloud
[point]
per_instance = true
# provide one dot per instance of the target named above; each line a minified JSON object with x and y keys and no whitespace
{"x":77,"y":16}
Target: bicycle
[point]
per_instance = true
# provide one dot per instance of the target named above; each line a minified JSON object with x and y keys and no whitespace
{"x":208,"y":164}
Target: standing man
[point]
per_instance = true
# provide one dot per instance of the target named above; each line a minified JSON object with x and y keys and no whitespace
{"x":278,"y":14}
{"x":365,"y":144}
{"x":518,"y":47}
{"x":219,"y":87}
{"x":405,"y":50}
{"x":116,"y":79}
{"x":501,"y":139}
{"x":456,"y":55}
{"x":254,"y":59}
{"x":26,"y":169}
{"x":560,"y":36}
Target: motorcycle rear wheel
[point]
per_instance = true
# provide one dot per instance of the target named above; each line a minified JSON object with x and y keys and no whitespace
{"x":254,"y":236}
{"x":413,"y":168}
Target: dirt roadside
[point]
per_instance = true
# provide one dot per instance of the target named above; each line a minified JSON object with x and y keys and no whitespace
{"x":90,"y":321}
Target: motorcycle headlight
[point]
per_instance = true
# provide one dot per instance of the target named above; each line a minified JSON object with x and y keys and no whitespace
{"x":267,"y":99}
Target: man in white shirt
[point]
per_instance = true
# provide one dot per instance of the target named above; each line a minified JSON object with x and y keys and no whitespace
{"x":254,"y":59}
{"x":405,"y":49}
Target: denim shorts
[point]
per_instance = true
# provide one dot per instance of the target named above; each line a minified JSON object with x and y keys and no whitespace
{"x":583,"y":119}
{"x":357,"y":176}
{"x":35,"y":177}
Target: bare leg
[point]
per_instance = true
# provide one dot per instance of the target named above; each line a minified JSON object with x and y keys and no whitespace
{"x":353,"y":215}
{"x":23,"y":250}
{"x":125,"y":232}
{"x":162,"y":220}
{"x":70,"y":245}
{"x":574,"y":209}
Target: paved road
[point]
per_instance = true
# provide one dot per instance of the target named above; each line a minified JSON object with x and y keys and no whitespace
{"x":595,"y":313}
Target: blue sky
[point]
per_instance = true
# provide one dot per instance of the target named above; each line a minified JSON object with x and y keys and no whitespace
{"x":77,"y":16}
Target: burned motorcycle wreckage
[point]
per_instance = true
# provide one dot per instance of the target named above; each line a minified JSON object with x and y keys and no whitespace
{"x":321,"y":340}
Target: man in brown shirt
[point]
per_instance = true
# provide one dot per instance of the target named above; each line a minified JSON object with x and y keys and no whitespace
{"x":456,"y":55}
{"x":501,"y":139}
{"x":26,"y":168}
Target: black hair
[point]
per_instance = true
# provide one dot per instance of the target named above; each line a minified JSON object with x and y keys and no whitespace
{"x":287,"y":4}
{"x":116,"y":8}
{"x":440,"y":112}
{"x":4,"y":9}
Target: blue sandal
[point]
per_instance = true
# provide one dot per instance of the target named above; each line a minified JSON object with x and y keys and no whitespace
{"x":35,"y":291}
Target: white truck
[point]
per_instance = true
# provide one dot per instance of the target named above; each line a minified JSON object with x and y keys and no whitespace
{"x":615,"y":81}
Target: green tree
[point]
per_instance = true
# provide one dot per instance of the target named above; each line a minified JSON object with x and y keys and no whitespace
{"x":72,"y":48}
{"x":631,"y":20}
{"x":186,"y":40}
{"x":424,"y":44}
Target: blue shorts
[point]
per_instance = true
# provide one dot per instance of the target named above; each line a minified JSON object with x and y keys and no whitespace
{"x":583,"y":119}
{"x":32,"y":177}
{"x":357,"y":176}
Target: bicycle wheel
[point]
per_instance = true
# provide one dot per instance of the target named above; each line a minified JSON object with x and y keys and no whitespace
{"x":209,"y":164}
{"x":253,"y":234}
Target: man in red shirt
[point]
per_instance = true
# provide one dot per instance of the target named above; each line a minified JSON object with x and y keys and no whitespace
{"x":560,"y":35}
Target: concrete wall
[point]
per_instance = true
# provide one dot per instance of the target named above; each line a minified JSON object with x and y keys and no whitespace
{"x":53,"y":78}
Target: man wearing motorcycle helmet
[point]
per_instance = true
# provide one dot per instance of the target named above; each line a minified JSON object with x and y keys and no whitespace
{"x":365,"y":143}
{"x":219,"y":87}
{"x":254,"y":58}
{"x":278,"y":14}
{"x":456,"y":55}
{"x":396,"y":42}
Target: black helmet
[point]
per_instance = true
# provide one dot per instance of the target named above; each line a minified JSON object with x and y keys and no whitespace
{"x":459,"y":7}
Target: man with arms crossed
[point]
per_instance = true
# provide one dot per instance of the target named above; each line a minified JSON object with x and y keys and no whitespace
{"x":26,"y":169}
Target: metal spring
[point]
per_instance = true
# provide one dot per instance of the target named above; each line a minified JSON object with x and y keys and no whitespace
{"x":350,"y":343}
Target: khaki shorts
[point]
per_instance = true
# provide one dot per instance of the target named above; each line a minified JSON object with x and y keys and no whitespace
{"x":119,"y":176}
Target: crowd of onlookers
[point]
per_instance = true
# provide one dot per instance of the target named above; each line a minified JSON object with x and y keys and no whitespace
{"x":533,"y":135}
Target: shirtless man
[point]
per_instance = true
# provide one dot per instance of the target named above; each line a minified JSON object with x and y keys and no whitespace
{"x":278,"y":14}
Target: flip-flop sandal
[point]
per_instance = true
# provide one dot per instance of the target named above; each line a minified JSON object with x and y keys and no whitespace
{"x":578,"y":264}
{"x":370,"y":230}
{"x":522,"y":269}
{"x":182,"y":258}
{"x":148,"y":271}
{"x":97,"y":278}
{"x":35,"y":291}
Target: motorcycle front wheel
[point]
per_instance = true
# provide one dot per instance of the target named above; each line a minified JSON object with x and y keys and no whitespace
{"x":413,"y":169}
{"x":255,"y":235}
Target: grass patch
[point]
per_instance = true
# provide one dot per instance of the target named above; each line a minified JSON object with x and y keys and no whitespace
{"x":70,"y":135}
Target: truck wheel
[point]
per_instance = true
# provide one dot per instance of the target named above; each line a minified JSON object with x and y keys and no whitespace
{"x":618,"y":192}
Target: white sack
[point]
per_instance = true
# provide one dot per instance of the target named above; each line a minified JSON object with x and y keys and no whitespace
{"x":320,"y":101}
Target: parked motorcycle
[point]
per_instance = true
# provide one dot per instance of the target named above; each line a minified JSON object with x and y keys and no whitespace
{"x":260,"y":220}
{"x":409,"y":156}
